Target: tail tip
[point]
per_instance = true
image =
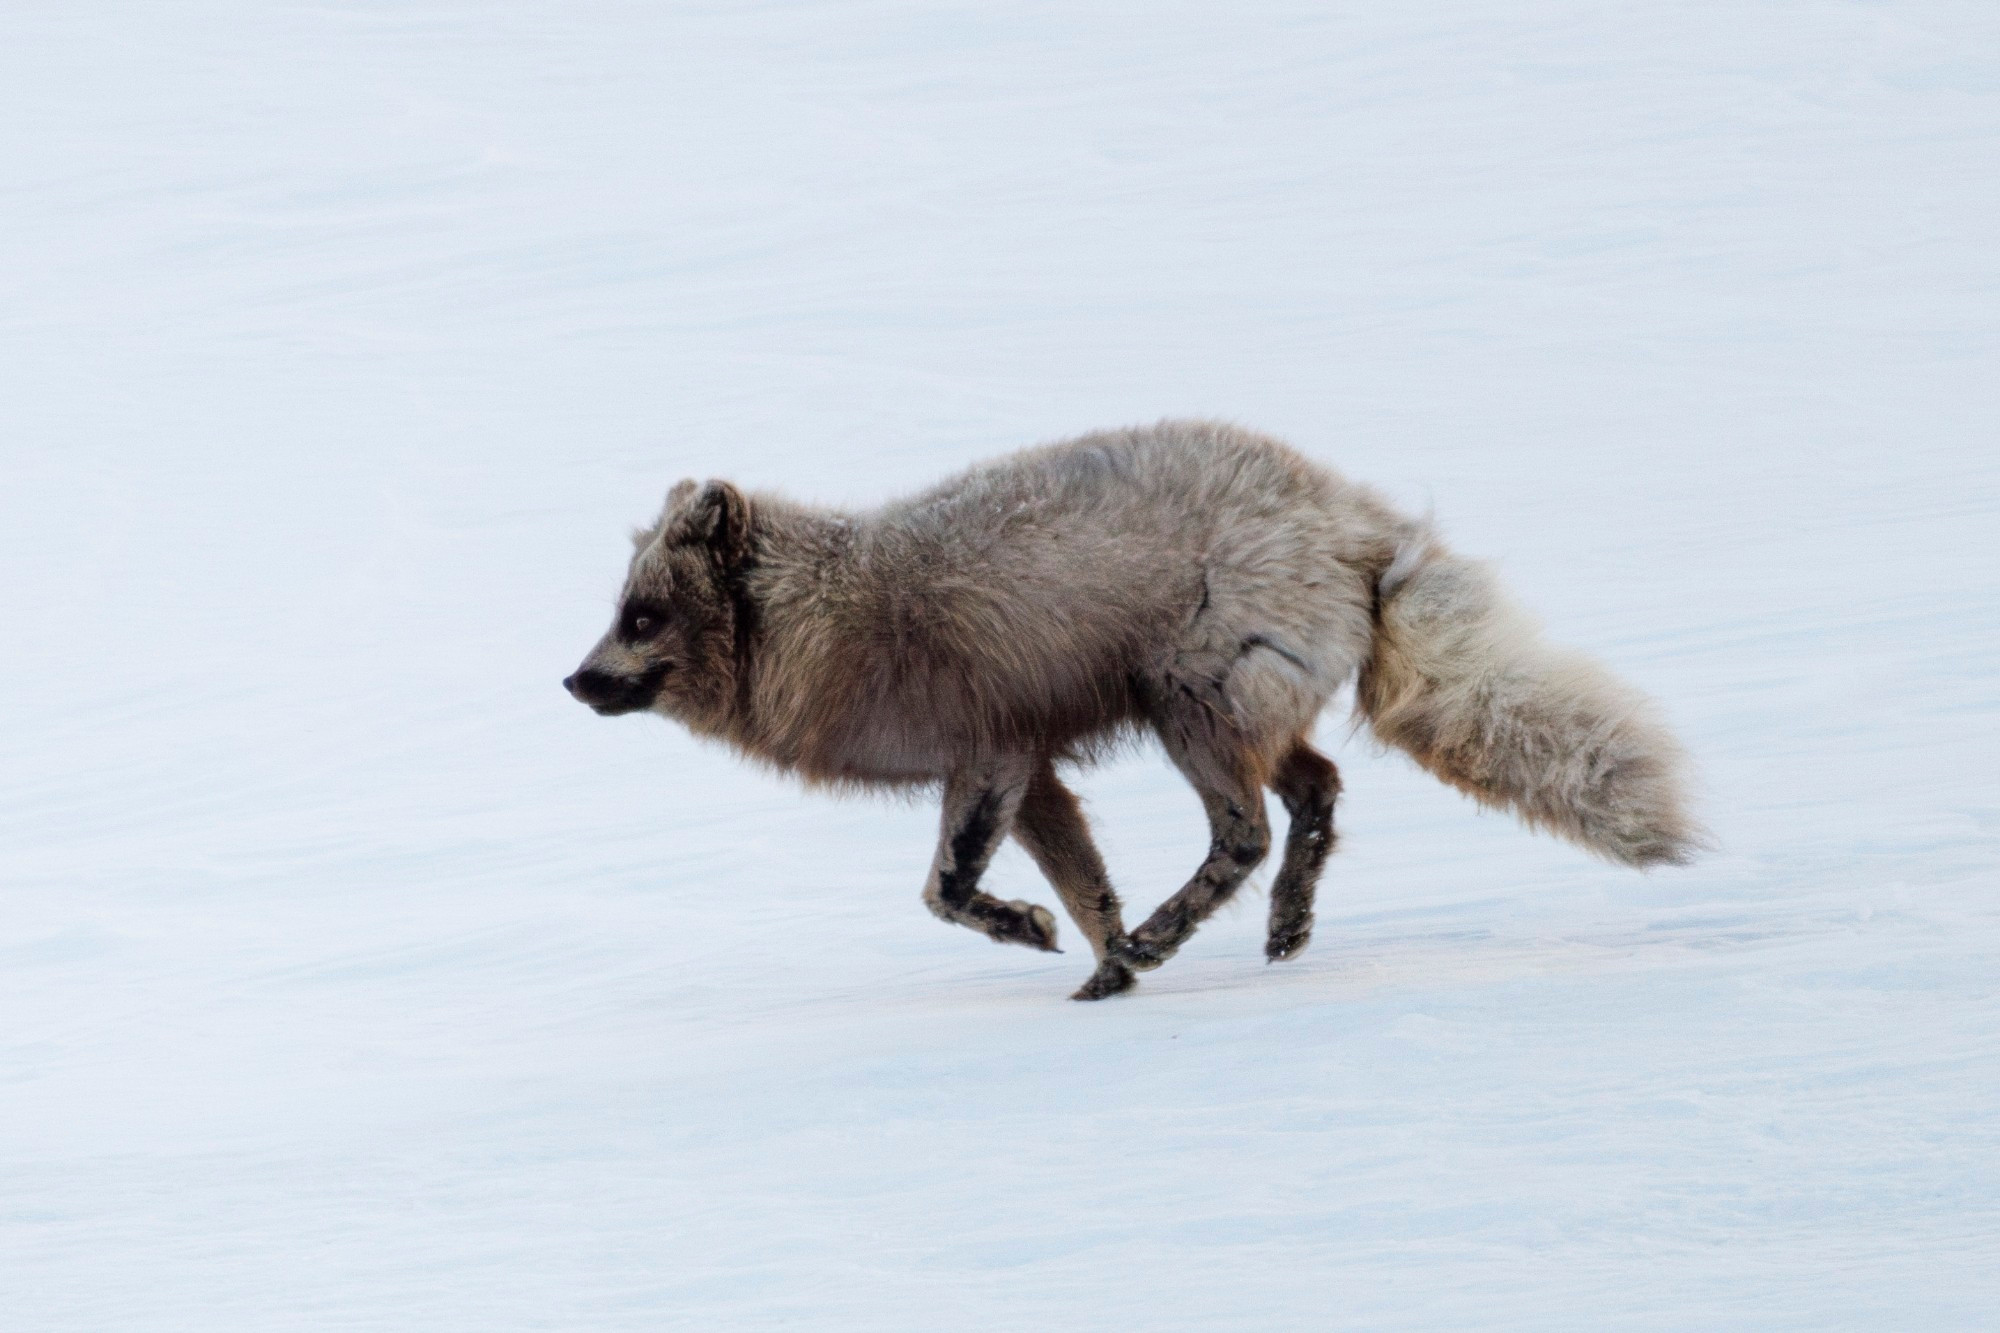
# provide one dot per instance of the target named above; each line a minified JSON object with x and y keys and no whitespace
{"x":1682,"y":847}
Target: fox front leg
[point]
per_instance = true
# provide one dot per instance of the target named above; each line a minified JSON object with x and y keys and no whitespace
{"x":979,"y":808}
{"x":1052,"y":827}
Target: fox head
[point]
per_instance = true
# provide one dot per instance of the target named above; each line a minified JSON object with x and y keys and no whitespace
{"x":673,"y":647}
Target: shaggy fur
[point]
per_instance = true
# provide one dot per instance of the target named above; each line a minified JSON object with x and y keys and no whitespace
{"x":1189,"y":580}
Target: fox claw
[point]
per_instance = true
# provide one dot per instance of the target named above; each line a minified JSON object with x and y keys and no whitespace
{"x":1111,"y":978}
{"x":1135,"y":953}
{"x":1281,"y":947}
{"x":1034,"y":926}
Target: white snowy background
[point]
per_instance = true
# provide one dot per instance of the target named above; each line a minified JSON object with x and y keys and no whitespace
{"x":353,"y":977}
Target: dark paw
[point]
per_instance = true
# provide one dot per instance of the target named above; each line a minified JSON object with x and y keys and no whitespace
{"x":1030,"y":925}
{"x":1141,"y":955}
{"x":1111,"y":978}
{"x":1290,"y":944}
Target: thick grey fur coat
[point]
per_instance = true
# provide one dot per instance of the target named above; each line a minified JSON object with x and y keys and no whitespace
{"x":1192,"y":580}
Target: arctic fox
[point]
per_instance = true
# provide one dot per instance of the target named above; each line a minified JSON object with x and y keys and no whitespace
{"x":1190,"y":579}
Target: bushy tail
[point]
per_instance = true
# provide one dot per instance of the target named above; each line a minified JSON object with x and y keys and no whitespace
{"x":1461,"y":678}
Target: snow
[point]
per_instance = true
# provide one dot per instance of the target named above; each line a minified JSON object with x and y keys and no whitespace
{"x":354,"y":977}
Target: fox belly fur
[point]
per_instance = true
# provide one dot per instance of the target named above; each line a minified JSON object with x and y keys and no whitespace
{"x":1190,"y":580}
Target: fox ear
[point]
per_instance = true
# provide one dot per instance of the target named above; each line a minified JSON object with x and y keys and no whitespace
{"x":716,"y":516}
{"x":673,"y":515}
{"x":723,"y":515}
{"x":677,"y":500}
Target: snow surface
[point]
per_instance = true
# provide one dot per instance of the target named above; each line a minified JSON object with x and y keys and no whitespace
{"x":351,"y":976}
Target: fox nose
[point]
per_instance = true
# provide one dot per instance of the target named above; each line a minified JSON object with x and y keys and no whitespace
{"x":591,"y":687}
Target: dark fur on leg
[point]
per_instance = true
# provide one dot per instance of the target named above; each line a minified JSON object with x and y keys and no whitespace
{"x":1308,"y":784}
{"x":1111,"y":978}
{"x":979,"y":810}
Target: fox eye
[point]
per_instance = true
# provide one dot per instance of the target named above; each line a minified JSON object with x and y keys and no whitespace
{"x":638,"y":624}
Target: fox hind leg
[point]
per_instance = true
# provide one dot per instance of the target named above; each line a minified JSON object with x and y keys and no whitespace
{"x":1052,"y":828}
{"x":980,"y":806}
{"x":1215,"y":760}
{"x":1308,"y":783}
